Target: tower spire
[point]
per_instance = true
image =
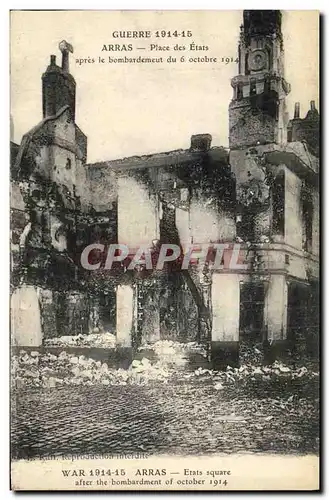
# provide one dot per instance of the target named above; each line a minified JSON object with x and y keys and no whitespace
{"x":257,"y":110}
{"x":261,"y":23}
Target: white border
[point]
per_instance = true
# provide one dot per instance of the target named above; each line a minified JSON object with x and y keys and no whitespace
{"x":4,"y":173}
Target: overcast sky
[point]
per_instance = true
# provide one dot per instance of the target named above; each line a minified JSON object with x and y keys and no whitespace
{"x":141,"y":109}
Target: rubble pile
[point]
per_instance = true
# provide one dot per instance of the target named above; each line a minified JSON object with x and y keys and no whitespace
{"x":104,"y":340}
{"x":173,"y":353}
{"x":251,"y":354}
{"x":37,"y":369}
{"x":48,"y":370}
{"x":249,"y":373}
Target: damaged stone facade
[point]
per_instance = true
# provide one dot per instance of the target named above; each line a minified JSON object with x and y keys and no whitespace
{"x":262,"y":193}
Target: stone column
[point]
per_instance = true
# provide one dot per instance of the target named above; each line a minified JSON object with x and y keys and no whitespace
{"x":125,"y":309}
{"x":26,"y":328}
{"x":125,"y":322}
{"x":225,"y":296}
{"x":275,"y":317}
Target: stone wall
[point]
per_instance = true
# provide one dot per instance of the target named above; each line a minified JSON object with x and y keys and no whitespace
{"x":293,"y":215}
{"x":250,"y":127}
{"x":138,"y":216}
{"x":316,"y":223}
{"x":26,"y":329}
{"x":225,"y":307}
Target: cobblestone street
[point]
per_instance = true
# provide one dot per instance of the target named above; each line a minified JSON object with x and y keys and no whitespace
{"x":161,"y":419}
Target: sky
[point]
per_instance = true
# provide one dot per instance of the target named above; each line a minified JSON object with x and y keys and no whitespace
{"x":127,"y":109}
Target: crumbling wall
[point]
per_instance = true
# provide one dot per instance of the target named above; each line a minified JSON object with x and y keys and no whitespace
{"x":63,"y":165}
{"x":19,"y":220}
{"x":293,"y":215}
{"x":225,"y":307}
{"x":316,"y":223}
{"x":138,"y":216}
{"x":249,"y":126}
{"x":103,"y":186}
{"x":208,"y":222}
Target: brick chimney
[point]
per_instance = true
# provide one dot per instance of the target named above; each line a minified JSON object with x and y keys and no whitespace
{"x":201,"y":142}
{"x":58,"y":85}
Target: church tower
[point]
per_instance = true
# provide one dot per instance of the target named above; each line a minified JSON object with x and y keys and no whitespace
{"x":276,"y":172}
{"x":257,"y":111}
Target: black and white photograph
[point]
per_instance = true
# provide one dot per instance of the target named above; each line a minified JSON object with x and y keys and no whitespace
{"x":164,"y":250}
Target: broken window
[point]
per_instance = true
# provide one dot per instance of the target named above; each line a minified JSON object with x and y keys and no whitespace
{"x":278,"y":200}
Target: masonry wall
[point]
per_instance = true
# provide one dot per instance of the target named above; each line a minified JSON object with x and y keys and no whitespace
{"x":138,"y":213}
{"x":225,"y":307}
{"x":293,"y":214}
{"x":316,"y":223}
{"x":203,"y":223}
{"x":18,"y":221}
{"x":208,"y":223}
{"x":102,"y":183}
{"x":26,"y":329}
{"x":83,"y":186}
{"x":247,"y":127}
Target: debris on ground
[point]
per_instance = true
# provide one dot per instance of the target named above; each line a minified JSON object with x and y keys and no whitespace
{"x":36,"y":369}
{"x":233,"y":375}
{"x":175,"y":353}
{"x":49,"y":370}
{"x":250,"y":353}
{"x":104,"y":340}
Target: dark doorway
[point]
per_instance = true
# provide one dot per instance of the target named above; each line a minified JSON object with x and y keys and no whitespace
{"x":107,"y":311}
{"x":252,"y":298}
{"x":303,"y":318}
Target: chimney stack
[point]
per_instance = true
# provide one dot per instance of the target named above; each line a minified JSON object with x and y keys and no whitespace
{"x":65,"y":48}
{"x":201,"y":142}
{"x":58,"y":85}
{"x":297,"y":110}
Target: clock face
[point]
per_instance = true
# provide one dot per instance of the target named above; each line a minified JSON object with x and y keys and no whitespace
{"x":257,"y":60}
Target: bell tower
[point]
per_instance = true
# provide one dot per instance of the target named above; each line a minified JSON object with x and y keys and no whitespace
{"x":257,"y":111}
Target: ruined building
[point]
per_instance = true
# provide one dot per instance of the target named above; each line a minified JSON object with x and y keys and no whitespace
{"x":262,"y":193}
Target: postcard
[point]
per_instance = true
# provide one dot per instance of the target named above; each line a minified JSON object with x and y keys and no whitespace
{"x":164,"y":184}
